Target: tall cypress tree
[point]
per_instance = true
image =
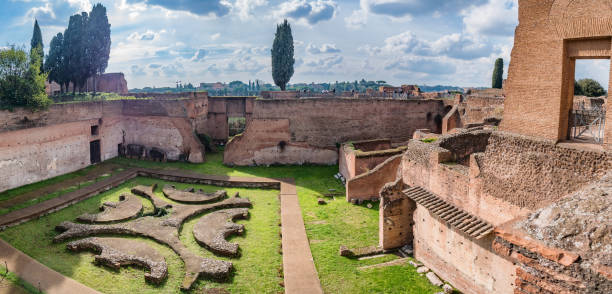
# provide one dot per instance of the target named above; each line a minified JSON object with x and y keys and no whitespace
{"x":282,"y":55}
{"x":498,"y":73}
{"x":75,"y":48}
{"x":53,"y":61}
{"x":37,"y":42}
{"x":99,"y":42}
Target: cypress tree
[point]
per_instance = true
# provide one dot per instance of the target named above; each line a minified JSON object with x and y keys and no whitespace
{"x":37,"y":42}
{"x":75,"y":47}
{"x":98,"y":43}
{"x":498,"y":73}
{"x":282,"y":55}
{"x":54,"y":58}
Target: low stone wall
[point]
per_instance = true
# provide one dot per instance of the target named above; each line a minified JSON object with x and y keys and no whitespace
{"x":366,"y":186}
{"x":531,"y":173}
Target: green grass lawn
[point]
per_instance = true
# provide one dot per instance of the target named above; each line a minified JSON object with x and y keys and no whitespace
{"x":9,"y":194}
{"x":327,"y":226}
{"x":256,"y":271}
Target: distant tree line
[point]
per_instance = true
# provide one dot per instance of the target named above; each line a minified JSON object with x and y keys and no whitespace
{"x":81,"y":52}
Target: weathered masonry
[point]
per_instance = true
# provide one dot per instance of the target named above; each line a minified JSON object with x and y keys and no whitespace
{"x":550,"y":37}
{"x":516,"y":211}
{"x":38,"y":145}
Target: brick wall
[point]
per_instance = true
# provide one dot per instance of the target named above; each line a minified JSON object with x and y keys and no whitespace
{"x":38,"y":145}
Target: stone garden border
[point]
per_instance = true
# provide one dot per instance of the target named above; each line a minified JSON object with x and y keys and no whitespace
{"x":300,"y":274}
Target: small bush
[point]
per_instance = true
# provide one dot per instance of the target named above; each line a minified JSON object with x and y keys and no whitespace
{"x":429,"y":140}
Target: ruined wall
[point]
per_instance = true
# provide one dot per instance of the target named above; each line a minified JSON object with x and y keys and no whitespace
{"x":468,"y":264}
{"x":550,"y":35}
{"x":38,"y":145}
{"x":346,"y":161}
{"x":477,"y":109}
{"x":366,"y":186}
{"x":268,"y":141}
{"x":454,"y":175}
{"x":315,"y":124}
{"x":530,"y":172}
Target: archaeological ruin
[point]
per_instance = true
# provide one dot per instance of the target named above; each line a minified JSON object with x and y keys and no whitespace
{"x":489,"y":191}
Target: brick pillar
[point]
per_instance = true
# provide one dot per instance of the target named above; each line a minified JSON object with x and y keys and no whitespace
{"x":395,"y":216}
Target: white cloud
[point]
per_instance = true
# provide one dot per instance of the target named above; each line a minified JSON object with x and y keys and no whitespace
{"x":215,"y":36}
{"x":357,"y":19}
{"x":454,"y":45}
{"x":325,"y":48}
{"x":149,"y":35}
{"x":244,"y":8}
{"x":495,"y":18}
{"x":307,"y":12}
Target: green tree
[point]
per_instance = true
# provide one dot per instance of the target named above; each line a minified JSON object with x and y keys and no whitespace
{"x":22,"y":84}
{"x":498,"y":73}
{"x":53,"y":62}
{"x":591,"y":88}
{"x":98,"y":42}
{"x":282,"y":55}
{"x":37,"y":42}
{"x":75,"y":48}
{"x":577,"y":89}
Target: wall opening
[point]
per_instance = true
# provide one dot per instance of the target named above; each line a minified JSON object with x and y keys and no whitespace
{"x":95,"y":130}
{"x":588,"y":96}
{"x":94,"y":152}
{"x":236,"y":125}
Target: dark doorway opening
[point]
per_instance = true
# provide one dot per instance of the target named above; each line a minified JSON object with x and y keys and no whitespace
{"x":94,"y":151}
{"x":236,"y":125}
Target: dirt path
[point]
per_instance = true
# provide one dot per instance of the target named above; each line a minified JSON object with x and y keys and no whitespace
{"x":101,"y":169}
{"x":298,"y":266}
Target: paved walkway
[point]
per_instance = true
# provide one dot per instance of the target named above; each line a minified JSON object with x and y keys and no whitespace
{"x":298,"y":266}
{"x":38,"y":275}
{"x":300,"y":274}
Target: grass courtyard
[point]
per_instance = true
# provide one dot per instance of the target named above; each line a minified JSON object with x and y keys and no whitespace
{"x":257,"y":270}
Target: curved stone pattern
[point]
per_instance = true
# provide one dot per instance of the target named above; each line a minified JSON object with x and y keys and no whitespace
{"x":164,"y":230}
{"x":192,"y":197}
{"x":147,"y":192}
{"x":128,"y":207}
{"x":212,"y":229}
{"x":117,"y":252}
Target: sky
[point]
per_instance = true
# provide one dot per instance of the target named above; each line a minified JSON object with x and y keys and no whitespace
{"x":159,"y":42}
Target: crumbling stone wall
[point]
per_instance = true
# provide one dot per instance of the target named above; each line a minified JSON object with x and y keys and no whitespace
{"x":323,"y":123}
{"x":469,"y":265}
{"x":564,"y":247}
{"x":531,"y":173}
{"x":38,"y":145}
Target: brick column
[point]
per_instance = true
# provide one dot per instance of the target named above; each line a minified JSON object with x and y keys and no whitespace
{"x":395,"y":216}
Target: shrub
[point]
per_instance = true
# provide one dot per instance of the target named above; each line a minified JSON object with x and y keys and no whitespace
{"x":21,"y":82}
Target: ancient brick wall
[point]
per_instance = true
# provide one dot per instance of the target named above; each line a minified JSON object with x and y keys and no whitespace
{"x":325,"y":122}
{"x":367,"y":185}
{"x":550,"y":35}
{"x":346,"y":161}
{"x":38,"y":145}
{"x":530,"y":172}
{"x":469,"y":265}
{"x":268,"y":141}
{"x":321,"y":124}
{"x":440,"y":171}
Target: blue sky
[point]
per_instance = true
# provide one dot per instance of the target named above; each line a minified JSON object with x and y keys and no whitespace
{"x":157,"y":42}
